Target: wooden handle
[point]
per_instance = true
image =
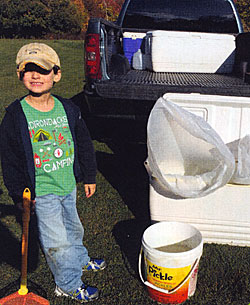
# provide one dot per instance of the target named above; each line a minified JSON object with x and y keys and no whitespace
{"x":26,"y":205}
{"x":25,"y":236}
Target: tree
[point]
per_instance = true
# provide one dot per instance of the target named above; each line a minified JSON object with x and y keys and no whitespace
{"x":23,"y":18}
{"x":37,"y":18}
{"x":83,"y":12}
{"x":112,"y":7}
{"x":40,"y":18}
{"x":108,"y":9}
{"x":64,"y":17}
{"x":243,"y":7}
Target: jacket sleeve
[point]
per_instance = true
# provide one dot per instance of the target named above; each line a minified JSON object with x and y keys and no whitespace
{"x":12,"y":159}
{"x":85,"y":151}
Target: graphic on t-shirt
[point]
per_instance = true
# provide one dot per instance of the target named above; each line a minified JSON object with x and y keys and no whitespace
{"x":53,"y":149}
{"x":54,"y":135}
{"x":45,"y":151}
{"x":31,"y":134}
{"x":70,"y":149}
{"x":61,"y":139}
{"x":37,"y":160}
{"x":58,"y":152}
{"x":42,"y":135}
{"x":52,"y":146}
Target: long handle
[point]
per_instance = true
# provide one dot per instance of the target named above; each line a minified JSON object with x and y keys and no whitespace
{"x":161,"y":289}
{"x":25,"y":236}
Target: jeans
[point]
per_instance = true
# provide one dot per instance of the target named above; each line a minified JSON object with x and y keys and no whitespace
{"x":61,"y":234}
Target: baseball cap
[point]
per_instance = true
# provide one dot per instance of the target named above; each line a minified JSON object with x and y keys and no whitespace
{"x":39,"y":54}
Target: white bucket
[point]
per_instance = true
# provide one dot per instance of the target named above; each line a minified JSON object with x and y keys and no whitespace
{"x":172,"y":251}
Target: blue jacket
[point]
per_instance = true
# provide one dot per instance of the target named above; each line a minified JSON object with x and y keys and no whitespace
{"x":17,"y":156}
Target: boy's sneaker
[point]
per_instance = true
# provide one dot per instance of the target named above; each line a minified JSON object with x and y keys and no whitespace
{"x":95,"y":265}
{"x":83,"y":294}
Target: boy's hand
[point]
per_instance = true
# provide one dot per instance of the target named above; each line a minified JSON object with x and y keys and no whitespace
{"x":89,"y":189}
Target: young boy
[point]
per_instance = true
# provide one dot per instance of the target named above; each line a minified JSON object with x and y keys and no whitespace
{"x":45,"y":146}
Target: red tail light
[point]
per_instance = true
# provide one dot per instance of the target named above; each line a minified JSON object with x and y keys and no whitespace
{"x":92,"y":56}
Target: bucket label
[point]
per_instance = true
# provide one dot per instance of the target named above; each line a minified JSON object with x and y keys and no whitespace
{"x":166,"y":278}
{"x":169,"y":279}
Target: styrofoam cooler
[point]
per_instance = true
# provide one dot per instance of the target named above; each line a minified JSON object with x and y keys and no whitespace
{"x":131,"y":43}
{"x":229,"y":116}
{"x":173,"y":51}
{"x":222,"y":216}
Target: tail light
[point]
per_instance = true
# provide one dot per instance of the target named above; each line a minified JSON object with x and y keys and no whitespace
{"x":92,"y":56}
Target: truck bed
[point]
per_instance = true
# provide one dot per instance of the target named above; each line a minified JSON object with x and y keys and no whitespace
{"x":147,"y":85}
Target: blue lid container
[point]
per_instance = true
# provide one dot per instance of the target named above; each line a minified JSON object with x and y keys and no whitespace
{"x":131,"y":44}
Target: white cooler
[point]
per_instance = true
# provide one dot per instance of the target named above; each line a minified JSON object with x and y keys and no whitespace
{"x":224,"y":215}
{"x":172,"y":51}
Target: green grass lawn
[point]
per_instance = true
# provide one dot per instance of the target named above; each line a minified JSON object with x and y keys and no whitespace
{"x":114,"y":219}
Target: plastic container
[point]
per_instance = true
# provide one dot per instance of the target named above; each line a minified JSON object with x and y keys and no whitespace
{"x":138,"y":60}
{"x":131,"y":43}
{"x":222,"y":216}
{"x":172,"y":51}
{"x":171,"y":253}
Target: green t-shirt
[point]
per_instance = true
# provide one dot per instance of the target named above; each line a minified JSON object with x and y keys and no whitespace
{"x":53,"y":149}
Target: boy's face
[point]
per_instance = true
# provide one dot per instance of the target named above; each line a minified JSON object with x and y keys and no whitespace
{"x":38,"y":80}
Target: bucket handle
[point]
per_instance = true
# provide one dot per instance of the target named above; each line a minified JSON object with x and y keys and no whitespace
{"x":171,"y":291}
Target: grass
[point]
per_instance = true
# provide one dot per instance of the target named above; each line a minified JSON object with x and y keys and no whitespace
{"x":114,"y":219}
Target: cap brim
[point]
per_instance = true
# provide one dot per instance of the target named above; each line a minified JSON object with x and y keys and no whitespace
{"x":39,"y":62}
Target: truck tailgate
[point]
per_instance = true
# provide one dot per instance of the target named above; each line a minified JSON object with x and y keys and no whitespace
{"x":147,"y":85}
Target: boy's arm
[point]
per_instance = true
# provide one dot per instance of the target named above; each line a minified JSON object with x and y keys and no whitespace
{"x":12,"y":159}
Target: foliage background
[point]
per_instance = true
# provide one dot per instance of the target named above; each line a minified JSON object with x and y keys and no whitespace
{"x":66,"y":18}
{"x":243,"y":7}
{"x":52,"y":19}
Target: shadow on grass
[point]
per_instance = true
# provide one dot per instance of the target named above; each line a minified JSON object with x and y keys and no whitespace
{"x":10,"y":253}
{"x":125,"y":171}
{"x":128,"y":234}
{"x":11,"y":245}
